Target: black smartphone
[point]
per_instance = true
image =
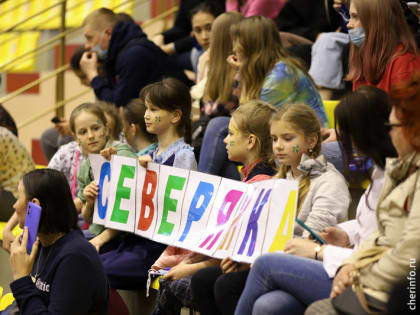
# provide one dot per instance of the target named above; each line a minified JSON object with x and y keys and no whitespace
{"x":55,"y":120}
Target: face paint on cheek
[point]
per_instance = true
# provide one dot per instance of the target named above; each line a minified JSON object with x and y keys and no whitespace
{"x":231,"y":143}
{"x":296,"y":148}
{"x":157,"y":119}
{"x":235,"y":131}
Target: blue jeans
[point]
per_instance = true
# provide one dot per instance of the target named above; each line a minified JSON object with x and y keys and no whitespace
{"x":332,"y":152}
{"x":283,"y":284}
{"x":326,"y":64}
{"x":213,"y":155}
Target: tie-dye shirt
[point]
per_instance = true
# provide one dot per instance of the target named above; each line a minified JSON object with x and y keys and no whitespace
{"x":279,"y":88}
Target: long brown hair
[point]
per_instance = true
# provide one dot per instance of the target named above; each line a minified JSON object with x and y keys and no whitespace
{"x":303,"y":119}
{"x":220,"y":76}
{"x":254,"y":118}
{"x":112,"y":111}
{"x":258,"y":41}
{"x":385,"y":29}
{"x":133,"y":113}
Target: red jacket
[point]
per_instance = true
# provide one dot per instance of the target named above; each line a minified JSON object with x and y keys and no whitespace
{"x":400,"y":68}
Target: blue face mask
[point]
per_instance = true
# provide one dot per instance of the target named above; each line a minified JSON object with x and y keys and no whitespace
{"x":102,"y":53}
{"x":357,"y":36}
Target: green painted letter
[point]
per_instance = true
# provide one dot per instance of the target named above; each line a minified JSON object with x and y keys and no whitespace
{"x":119,"y":215}
{"x":177,"y":183}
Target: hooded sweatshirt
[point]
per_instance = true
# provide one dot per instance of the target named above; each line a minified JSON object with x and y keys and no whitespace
{"x":132,"y":62}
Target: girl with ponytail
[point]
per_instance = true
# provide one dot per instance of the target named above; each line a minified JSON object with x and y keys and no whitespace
{"x":323,"y":199}
{"x":323,"y":194}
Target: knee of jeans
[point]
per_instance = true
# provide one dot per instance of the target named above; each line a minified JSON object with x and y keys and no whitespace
{"x":277,"y":302}
{"x":262,"y":263}
{"x":218,"y":122}
{"x":332,"y":152}
{"x":264,"y":305}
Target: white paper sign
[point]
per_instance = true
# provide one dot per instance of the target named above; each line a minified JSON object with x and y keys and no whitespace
{"x":227,"y":202}
{"x":251,"y":236}
{"x":198,"y":202}
{"x":146,"y":199}
{"x":282,"y":215}
{"x":227,"y":245}
{"x":172,"y":184}
{"x":122,"y":203}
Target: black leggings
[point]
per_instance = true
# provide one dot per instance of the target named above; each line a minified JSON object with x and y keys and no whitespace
{"x":215,"y":292}
{"x":6,"y":205}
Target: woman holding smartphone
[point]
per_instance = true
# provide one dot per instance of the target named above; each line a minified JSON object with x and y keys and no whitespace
{"x":63,"y":273}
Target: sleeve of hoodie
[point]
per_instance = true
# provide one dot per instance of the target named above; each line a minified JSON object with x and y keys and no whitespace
{"x":134,"y":69}
{"x":307,"y":21}
{"x":179,"y":34}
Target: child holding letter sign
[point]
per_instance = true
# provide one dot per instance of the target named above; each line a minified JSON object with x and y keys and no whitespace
{"x":322,"y":201}
{"x":167,"y":115}
{"x":89,"y":126}
{"x":168,"y":111}
{"x":249,"y":142}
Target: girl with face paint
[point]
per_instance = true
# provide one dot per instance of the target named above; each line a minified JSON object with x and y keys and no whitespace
{"x":323,"y":198}
{"x":249,"y":142}
{"x":89,"y":127}
{"x":383,"y":50}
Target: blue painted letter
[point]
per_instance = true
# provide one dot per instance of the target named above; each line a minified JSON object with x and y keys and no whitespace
{"x":105,"y":172}
{"x":195,"y":213}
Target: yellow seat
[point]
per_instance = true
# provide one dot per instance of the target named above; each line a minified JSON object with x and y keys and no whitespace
{"x":8,"y":47}
{"x":126,"y":8}
{"x":10,"y":19}
{"x":16,"y":231}
{"x":111,"y":4}
{"x":329,"y":109}
{"x":13,"y":45}
{"x":49,"y":19}
{"x":1,"y":291}
{"x":27,"y":10}
{"x":27,"y":41}
{"x":6,"y":300}
{"x":77,"y":10}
